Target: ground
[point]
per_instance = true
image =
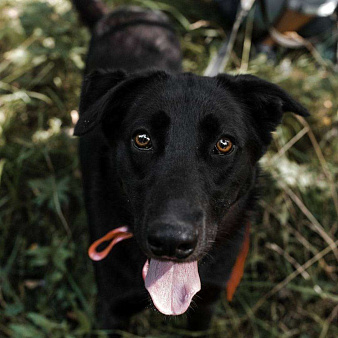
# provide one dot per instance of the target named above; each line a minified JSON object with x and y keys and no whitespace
{"x":47,"y":287}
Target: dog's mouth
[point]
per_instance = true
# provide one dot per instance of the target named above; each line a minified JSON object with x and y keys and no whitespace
{"x":171,"y":285}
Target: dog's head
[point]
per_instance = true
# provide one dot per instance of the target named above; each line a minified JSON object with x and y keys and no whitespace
{"x":186,"y":149}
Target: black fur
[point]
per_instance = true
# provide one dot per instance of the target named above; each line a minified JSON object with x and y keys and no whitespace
{"x":91,"y":11}
{"x":181,"y":180}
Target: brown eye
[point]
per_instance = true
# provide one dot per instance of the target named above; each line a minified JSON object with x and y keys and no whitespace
{"x":142,"y":141}
{"x":223,"y":146}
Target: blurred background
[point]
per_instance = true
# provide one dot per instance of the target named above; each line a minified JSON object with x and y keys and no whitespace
{"x":47,"y":288}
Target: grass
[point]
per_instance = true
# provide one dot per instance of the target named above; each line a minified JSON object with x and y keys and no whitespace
{"x":47,"y":287}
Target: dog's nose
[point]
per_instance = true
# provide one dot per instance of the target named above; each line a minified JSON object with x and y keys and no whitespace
{"x":169,"y":241}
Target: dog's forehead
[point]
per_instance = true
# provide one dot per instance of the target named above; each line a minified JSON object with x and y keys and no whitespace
{"x":189,"y":97}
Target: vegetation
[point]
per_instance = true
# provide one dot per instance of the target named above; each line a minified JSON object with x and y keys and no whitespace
{"x":47,"y":287}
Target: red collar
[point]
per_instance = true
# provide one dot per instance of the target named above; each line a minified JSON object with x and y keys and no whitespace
{"x":238,"y":269}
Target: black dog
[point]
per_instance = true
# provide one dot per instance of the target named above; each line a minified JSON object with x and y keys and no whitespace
{"x":173,"y":156}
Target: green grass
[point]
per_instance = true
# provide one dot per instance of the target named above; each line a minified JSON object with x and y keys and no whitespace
{"x":47,"y":287}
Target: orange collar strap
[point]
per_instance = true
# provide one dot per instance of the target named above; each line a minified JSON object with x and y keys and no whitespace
{"x":122,"y":233}
{"x":115,"y":236}
{"x":238,"y":269}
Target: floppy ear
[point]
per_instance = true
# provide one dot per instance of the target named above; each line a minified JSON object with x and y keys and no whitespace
{"x":265,"y":101}
{"x":96,"y":84}
{"x":106,"y":92}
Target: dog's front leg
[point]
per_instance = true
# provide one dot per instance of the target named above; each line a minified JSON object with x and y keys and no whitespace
{"x":121,"y":291}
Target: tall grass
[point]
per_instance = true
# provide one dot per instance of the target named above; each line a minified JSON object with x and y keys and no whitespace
{"x":47,"y":287}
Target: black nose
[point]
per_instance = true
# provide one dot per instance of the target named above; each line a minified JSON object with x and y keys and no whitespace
{"x":170,"y":241}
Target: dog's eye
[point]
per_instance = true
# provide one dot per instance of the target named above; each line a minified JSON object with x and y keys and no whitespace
{"x":142,"y":141}
{"x":223,"y":146}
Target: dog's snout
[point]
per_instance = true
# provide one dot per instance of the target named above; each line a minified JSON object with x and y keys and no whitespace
{"x":170,"y":241}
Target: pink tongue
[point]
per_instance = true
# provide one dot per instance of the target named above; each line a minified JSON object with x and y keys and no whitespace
{"x":171,"y":285}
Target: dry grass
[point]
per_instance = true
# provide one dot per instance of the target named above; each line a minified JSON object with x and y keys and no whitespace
{"x":46,"y":282}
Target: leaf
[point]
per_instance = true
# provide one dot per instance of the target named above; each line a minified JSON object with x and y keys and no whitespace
{"x":47,"y":189}
{"x":14,"y":309}
{"x":39,"y":256}
{"x":84,"y":323}
{"x":2,"y":164}
{"x":44,"y":323}
{"x":25,"y":331}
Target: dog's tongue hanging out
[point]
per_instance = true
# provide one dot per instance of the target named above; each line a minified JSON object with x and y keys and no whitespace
{"x":171,"y":285}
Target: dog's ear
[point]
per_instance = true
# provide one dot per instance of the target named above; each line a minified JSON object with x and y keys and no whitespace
{"x":96,"y":84}
{"x":96,"y":89}
{"x":265,"y":101}
{"x":105,"y":92}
